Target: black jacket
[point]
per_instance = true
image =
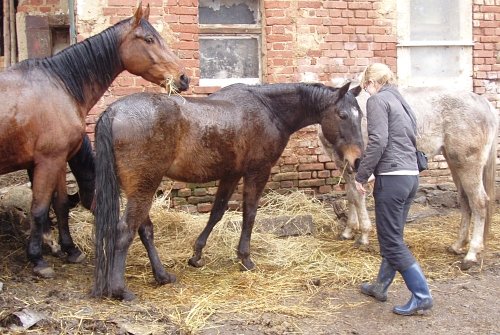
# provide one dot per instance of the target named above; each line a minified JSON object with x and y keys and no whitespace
{"x":391,"y":135}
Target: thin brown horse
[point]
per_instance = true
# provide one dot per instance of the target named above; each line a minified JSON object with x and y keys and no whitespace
{"x":44,"y":105}
{"x":239,"y":131}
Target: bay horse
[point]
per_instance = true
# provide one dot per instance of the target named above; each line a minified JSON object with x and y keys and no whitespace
{"x":44,"y":105}
{"x":463,"y":126}
{"x":239,"y":131}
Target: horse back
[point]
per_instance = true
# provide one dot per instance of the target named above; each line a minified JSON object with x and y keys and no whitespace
{"x":38,"y":120}
{"x":192,"y":140}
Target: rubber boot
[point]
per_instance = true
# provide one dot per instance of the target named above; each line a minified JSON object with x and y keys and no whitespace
{"x":421,"y":299}
{"x":378,"y":290}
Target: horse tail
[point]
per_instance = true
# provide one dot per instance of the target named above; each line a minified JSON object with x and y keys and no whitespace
{"x":107,"y":211}
{"x":489,"y":176}
{"x":82,"y":165}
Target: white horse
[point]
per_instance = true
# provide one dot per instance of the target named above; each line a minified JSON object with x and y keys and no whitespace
{"x":463,"y":126}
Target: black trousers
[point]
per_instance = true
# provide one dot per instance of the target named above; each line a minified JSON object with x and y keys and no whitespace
{"x":393,"y":197}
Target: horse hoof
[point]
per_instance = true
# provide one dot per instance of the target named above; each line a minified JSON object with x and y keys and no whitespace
{"x":344,"y":238}
{"x":76,"y":257}
{"x":196,"y":262}
{"x":365,"y":248}
{"x":452,"y":250}
{"x":466,"y":265}
{"x":166,"y":279}
{"x":128,"y":296}
{"x":247,"y":265}
{"x":124,"y":295}
{"x":44,"y":271}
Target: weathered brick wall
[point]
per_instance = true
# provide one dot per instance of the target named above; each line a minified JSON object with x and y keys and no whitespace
{"x":43,"y":6}
{"x":326,"y":41}
{"x":486,"y":57}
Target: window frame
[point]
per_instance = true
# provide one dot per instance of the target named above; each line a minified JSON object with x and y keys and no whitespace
{"x":234,"y":31}
{"x":465,"y":44}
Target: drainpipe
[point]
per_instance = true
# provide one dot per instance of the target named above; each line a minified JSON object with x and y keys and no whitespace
{"x":72,"y":28}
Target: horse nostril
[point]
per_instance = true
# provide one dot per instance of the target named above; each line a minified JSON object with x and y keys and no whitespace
{"x":184,"y":82}
{"x":356,"y":164}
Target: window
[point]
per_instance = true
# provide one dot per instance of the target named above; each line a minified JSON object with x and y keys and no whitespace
{"x":60,"y":38}
{"x":230,"y":42}
{"x":435,"y":43}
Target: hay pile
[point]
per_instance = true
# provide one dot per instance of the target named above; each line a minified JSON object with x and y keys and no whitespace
{"x":289,"y":271}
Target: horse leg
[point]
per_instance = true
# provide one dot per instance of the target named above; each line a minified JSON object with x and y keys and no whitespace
{"x":357,"y":218}
{"x":47,"y":234}
{"x":61,"y":208}
{"x":136,"y":211}
{"x":146,"y":234}
{"x":43,"y":186}
{"x":458,"y":247}
{"x":473,"y":206}
{"x":478,"y":203}
{"x":82,"y":165}
{"x":364,"y":221}
{"x":351,"y":224}
{"x":224,"y":192}
{"x":253,"y":187}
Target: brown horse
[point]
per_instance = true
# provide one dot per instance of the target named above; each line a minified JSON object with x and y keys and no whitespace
{"x":239,"y":131}
{"x":44,"y":105}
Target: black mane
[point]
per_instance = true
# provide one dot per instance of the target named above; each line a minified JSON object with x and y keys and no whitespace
{"x":313,"y":96}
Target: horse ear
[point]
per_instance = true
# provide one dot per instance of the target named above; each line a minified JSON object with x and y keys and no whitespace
{"x":343,"y":90}
{"x":145,"y":16}
{"x":138,"y":14}
{"x":356,"y":90}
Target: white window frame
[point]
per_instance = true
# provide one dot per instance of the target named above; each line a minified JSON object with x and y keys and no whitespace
{"x":404,"y":62}
{"x":234,"y":31}
{"x":221,"y":82}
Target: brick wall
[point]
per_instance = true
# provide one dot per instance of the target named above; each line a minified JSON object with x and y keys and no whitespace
{"x":327,"y":41}
{"x":486,"y":57}
{"x":43,"y":6}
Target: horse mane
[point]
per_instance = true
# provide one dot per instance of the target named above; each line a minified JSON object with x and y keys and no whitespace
{"x":94,"y":60}
{"x":313,"y":96}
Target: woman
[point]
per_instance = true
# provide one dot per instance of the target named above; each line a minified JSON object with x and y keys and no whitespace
{"x":390,"y":156}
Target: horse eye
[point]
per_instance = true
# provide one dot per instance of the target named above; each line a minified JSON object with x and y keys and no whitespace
{"x":343,"y":115}
{"x":149,"y":39}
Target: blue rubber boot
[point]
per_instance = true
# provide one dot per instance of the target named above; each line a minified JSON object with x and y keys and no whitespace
{"x":421,"y":299}
{"x":378,"y":289}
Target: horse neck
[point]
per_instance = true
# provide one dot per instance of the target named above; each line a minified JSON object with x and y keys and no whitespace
{"x":87,"y":69}
{"x":287,"y":105}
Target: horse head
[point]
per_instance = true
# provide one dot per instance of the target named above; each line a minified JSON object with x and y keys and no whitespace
{"x":144,"y":52}
{"x":341,"y":125}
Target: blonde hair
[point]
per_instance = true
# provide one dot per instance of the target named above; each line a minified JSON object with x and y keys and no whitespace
{"x":379,"y":73}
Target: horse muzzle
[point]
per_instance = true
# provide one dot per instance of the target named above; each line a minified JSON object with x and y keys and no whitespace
{"x":352,"y":157}
{"x":183,"y":83}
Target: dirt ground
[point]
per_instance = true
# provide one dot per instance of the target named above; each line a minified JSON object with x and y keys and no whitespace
{"x":465,"y":304}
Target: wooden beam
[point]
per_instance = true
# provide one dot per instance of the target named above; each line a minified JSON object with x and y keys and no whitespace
{"x":6,"y":33}
{"x":13,"y":34}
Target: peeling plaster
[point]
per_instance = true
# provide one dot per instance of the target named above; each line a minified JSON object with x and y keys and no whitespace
{"x":307,"y":42}
{"x":89,"y":17}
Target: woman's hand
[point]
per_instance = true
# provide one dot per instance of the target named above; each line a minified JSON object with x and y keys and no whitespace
{"x":360,"y":187}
